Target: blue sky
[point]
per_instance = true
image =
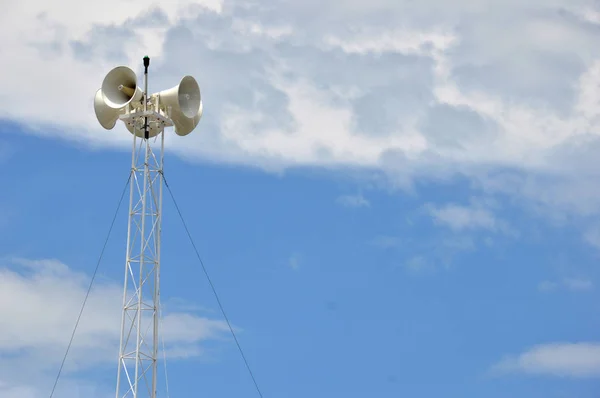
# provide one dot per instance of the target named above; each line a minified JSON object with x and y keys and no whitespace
{"x":399,"y":201}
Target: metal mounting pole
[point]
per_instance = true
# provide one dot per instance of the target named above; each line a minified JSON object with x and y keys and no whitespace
{"x":138,"y":353}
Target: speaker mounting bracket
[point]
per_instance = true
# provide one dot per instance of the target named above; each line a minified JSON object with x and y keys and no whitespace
{"x":152,"y":116}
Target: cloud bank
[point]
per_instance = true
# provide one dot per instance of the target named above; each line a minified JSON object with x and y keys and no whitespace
{"x":577,"y":360}
{"x":414,"y":90}
{"x":39,"y":303}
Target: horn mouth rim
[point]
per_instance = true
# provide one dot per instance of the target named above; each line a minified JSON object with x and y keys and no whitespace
{"x":120,"y":76}
{"x":188,"y":86}
{"x":99,"y":104}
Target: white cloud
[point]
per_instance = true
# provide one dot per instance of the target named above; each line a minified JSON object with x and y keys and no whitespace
{"x":462,"y":217}
{"x":577,"y":284}
{"x":577,"y":360}
{"x":426,"y":255}
{"x":381,"y":41}
{"x":39,"y":303}
{"x":432,"y":99}
{"x":66,"y":388}
{"x":571,"y":284}
{"x":418,"y":264}
{"x":475,"y":216}
{"x":353,"y":201}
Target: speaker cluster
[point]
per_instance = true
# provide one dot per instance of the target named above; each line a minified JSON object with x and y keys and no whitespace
{"x":120,"y":93}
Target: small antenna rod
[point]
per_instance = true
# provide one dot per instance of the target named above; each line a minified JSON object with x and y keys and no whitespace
{"x":146,"y":64}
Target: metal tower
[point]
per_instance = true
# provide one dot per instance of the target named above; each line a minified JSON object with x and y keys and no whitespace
{"x":146,"y":118}
{"x":138,"y":352}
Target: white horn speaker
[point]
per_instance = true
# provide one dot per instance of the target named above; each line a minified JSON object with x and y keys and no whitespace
{"x":119,"y":88}
{"x":184,"y":126}
{"x":106,"y":115}
{"x":185,"y":103}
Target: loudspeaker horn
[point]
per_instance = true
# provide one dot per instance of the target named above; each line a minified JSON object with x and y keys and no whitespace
{"x":184,"y":125}
{"x":107,"y":116}
{"x":185,"y":105}
{"x":119,"y":88}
